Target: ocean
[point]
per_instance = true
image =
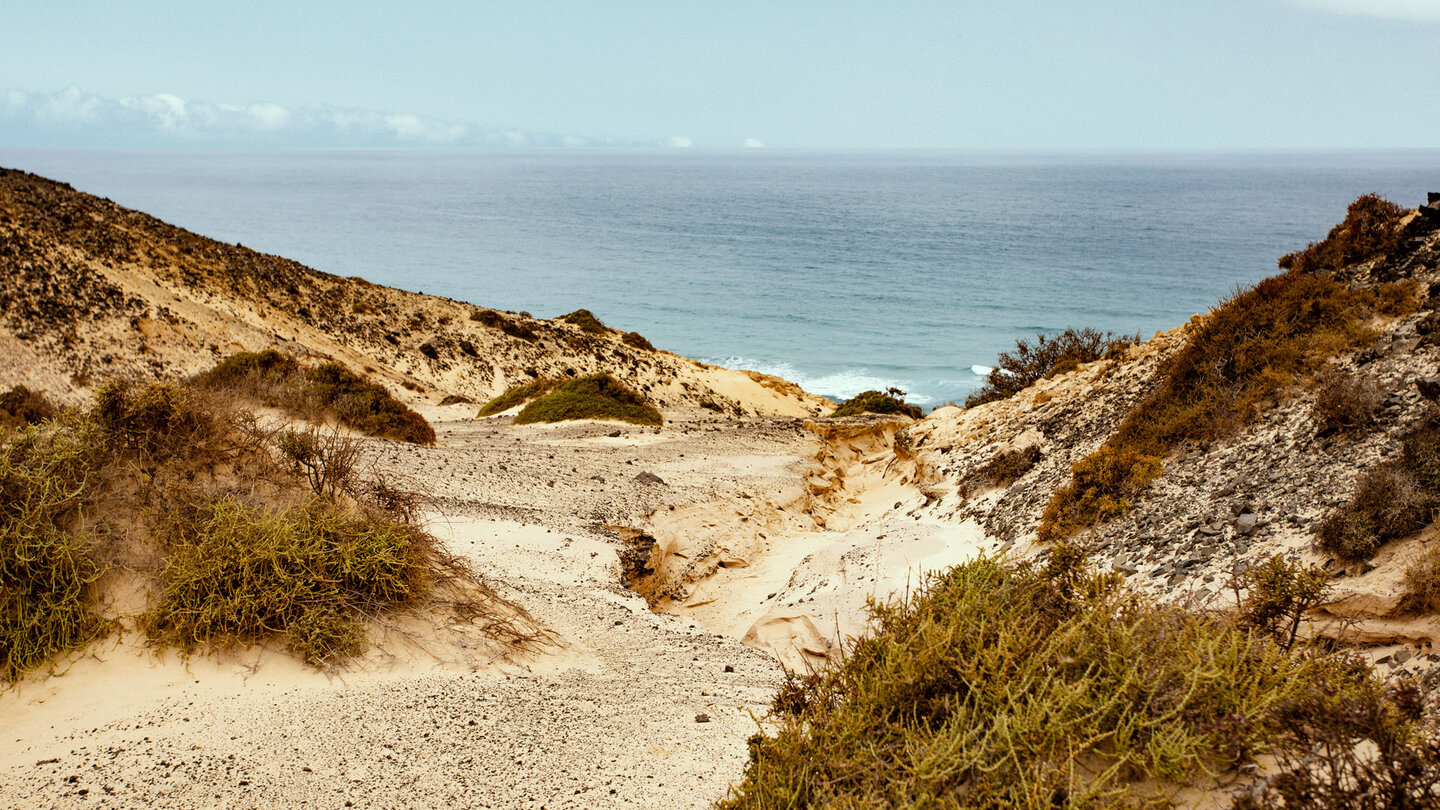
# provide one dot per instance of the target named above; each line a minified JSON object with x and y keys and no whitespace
{"x":842,"y":271}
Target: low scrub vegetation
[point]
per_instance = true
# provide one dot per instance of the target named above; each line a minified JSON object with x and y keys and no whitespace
{"x":1047,"y":356}
{"x":1422,"y":584}
{"x":1344,"y":402}
{"x":586,"y":320}
{"x":1003,"y":469}
{"x":496,"y":320}
{"x":517,"y":395}
{"x":596,"y":397}
{"x":48,"y":565}
{"x":638,"y":341}
{"x":330,"y":390}
{"x":1394,"y":499}
{"x":1244,"y":354}
{"x":1042,"y":686}
{"x":20,"y":406}
{"x":1370,"y":228}
{"x":238,"y":533}
{"x":891,"y":401}
{"x":237,"y":573}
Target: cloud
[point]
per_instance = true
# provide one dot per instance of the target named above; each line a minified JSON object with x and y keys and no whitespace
{"x":680,"y":142}
{"x":72,"y":117}
{"x":754,"y":143}
{"x":1411,"y":10}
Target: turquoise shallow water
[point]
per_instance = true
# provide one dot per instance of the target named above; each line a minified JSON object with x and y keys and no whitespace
{"x":841,"y":271}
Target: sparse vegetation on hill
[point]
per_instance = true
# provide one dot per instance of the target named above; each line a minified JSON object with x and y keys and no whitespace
{"x":586,"y":320}
{"x":1396,"y":498}
{"x":496,"y":320}
{"x":599,"y":396}
{"x":1040,"y":686}
{"x":1369,"y":228}
{"x":890,"y":401}
{"x":638,"y":341}
{"x":1247,"y":350}
{"x":1048,"y":356}
{"x":240,"y":533}
{"x":516,"y":395}
{"x":277,"y":380}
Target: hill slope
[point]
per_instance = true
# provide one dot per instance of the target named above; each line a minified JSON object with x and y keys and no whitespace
{"x":92,"y":290}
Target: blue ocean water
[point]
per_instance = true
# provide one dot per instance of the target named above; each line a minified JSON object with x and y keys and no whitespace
{"x":839,"y":270}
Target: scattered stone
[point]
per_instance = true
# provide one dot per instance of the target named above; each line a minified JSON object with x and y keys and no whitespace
{"x":702,"y":718}
{"x":648,"y":477}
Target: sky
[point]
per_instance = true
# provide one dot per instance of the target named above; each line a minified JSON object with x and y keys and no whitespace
{"x":989,"y":74}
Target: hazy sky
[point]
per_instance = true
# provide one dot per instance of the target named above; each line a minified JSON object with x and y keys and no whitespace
{"x":982,"y":73}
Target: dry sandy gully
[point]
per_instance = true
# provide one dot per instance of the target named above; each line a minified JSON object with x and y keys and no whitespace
{"x":632,"y":708}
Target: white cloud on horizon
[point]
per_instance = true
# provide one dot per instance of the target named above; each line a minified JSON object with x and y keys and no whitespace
{"x":680,"y":142}
{"x":754,"y":143}
{"x":1412,"y":10}
{"x":72,"y":117}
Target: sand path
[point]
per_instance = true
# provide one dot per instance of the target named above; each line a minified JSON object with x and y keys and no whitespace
{"x":611,"y":722}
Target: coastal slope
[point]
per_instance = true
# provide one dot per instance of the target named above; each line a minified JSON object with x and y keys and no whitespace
{"x":94,"y":290}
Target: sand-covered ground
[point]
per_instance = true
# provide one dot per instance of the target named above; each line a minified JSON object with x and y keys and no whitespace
{"x":625,"y":706}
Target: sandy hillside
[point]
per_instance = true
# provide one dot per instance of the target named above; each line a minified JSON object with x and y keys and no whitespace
{"x":94,"y":290}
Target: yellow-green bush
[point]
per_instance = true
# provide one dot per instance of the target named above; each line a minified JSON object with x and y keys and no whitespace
{"x":48,"y":564}
{"x":236,"y":573}
{"x":330,"y":389}
{"x":1035,"y":687}
{"x":516,"y":395}
{"x":596,"y":397}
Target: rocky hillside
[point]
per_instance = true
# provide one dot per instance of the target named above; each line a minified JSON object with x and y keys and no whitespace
{"x":91,"y":290}
{"x":1220,"y":505}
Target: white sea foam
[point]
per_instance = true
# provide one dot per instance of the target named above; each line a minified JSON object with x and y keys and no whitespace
{"x":983,"y":371}
{"x":838,"y":385}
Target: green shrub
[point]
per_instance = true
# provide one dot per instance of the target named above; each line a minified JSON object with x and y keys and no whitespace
{"x":159,"y":421}
{"x":366,"y":406}
{"x":596,"y":397}
{"x":280,"y":381}
{"x":1396,"y":498}
{"x":495,"y":320}
{"x":20,"y":406}
{"x":1344,"y":402}
{"x":1422,"y":584}
{"x":1048,"y":356}
{"x":1241,"y":356}
{"x":1278,"y":595}
{"x":48,"y":565}
{"x":892,"y":401}
{"x":586,"y":320}
{"x":237,"y":574}
{"x":638,"y":341}
{"x":1370,"y":228}
{"x":1030,"y":687}
{"x":1003,"y":469}
{"x":515,"y":395}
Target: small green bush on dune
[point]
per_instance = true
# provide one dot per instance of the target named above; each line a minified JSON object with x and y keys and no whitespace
{"x":1047,"y":356}
{"x":236,"y":573}
{"x":876,"y":402}
{"x":280,"y":381}
{"x":515,"y":395}
{"x":596,"y":397}
{"x":586,"y":320}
